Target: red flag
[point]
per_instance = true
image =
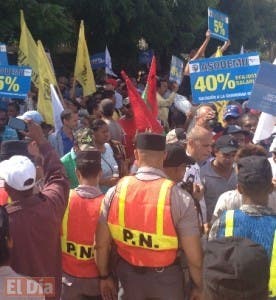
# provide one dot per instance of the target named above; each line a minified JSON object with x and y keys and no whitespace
{"x":149,"y":94}
{"x":144,"y":118}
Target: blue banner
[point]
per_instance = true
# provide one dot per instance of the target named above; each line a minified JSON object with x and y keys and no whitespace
{"x":228,"y":77}
{"x":98,"y":60}
{"x":218,"y":24}
{"x":3,"y":55}
{"x":145,"y":57}
{"x":15,"y":81}
{"x":263,"y":97}
{"x":176,"y":70}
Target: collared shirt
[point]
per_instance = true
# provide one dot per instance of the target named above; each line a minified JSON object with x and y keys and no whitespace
{"x":88,"y":191}
{"x":67,"y":142}
{"x":182,"y":206}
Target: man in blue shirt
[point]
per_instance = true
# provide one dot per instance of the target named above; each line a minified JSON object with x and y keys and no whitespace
{"x":63,"y":140}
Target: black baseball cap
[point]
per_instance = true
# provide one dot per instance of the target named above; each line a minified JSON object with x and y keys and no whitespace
{"x":176,"y":155}
{"x":226,"y":144}
{"x":236,"y":266}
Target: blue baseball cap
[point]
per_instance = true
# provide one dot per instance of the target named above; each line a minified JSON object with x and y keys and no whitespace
{"x":232,"y":111}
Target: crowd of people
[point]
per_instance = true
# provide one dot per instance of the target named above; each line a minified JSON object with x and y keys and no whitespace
{"x":108,"y":212}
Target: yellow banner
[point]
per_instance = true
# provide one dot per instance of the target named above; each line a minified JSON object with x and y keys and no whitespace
{"x":83,"y":70}
{"x":46,"y":77}
{"x":27,"y":52}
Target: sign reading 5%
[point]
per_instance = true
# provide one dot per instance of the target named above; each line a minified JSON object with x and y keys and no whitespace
{"x":9,"y":83}
{"x":218,"y":27}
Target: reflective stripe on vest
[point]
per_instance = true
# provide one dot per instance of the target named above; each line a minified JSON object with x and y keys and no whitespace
{"x":4,"y":197}
{"x":131,"y":237}
{"x":79,"y":251}
{"x":229,"y":231}
{"x":229,"y":223}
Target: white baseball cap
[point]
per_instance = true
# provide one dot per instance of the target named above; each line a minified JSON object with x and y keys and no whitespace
{"x":18,"y":172}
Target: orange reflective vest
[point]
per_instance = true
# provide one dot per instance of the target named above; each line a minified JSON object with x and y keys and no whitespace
{"x":4,"y":197}
{"x":77,"y":237}
{"x":141,"y":224}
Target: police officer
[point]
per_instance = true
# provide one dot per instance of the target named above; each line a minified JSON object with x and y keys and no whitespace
{"x":148,"y":217}
{"x":80,"y":274}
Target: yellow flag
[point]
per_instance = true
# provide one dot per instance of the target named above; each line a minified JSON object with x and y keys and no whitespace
{"x":220,"y":105}
{"x":27,"y":52}
{"x":83,"y":71}
{"x":46,"y":77}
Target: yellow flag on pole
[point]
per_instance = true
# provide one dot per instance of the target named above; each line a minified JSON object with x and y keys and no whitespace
{"x":220,"y":105}
{"x":27,"y":52}
{"x":46,"y":77}
{"x":83,"y":70}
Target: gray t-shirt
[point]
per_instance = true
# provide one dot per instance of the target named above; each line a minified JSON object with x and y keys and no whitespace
{"x":214,"y":185}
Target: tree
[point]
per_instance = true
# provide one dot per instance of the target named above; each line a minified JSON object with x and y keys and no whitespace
{"x":48,"y":22}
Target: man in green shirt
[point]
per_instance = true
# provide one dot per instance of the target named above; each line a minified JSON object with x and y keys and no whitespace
{"x":83,"y":139}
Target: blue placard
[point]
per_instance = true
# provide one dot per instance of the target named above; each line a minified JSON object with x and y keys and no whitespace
{"x":98,"y":60}
{"x":3,"y":55}
{"x":145,"y":57}
{"x":228,"y":77}
{"x":263,"y":95}
{"x":15,"y":81}
{"x":176,"y":70}
{"x":218,"y":24}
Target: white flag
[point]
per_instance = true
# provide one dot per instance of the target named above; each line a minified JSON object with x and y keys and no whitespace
{"x":57,"y":108}
{"x":108,"y":63}
{"x":265,"y":127}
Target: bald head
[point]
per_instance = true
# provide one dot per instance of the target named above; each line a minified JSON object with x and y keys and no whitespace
{"x":199,"y":144}
{"x":198,"y":132}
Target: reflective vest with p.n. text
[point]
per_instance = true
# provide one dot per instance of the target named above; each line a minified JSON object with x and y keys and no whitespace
{"x":259,"y":229}
{"x":141,"y":224}
{"x":77,"y":236}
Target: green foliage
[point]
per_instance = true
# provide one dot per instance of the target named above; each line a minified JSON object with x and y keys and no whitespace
{"x":169,"y":26}
{"x":252,"y":23}
{"x":47,"y":21}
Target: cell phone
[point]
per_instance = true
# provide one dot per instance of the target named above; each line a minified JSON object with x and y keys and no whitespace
{"x":17,"y":124}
